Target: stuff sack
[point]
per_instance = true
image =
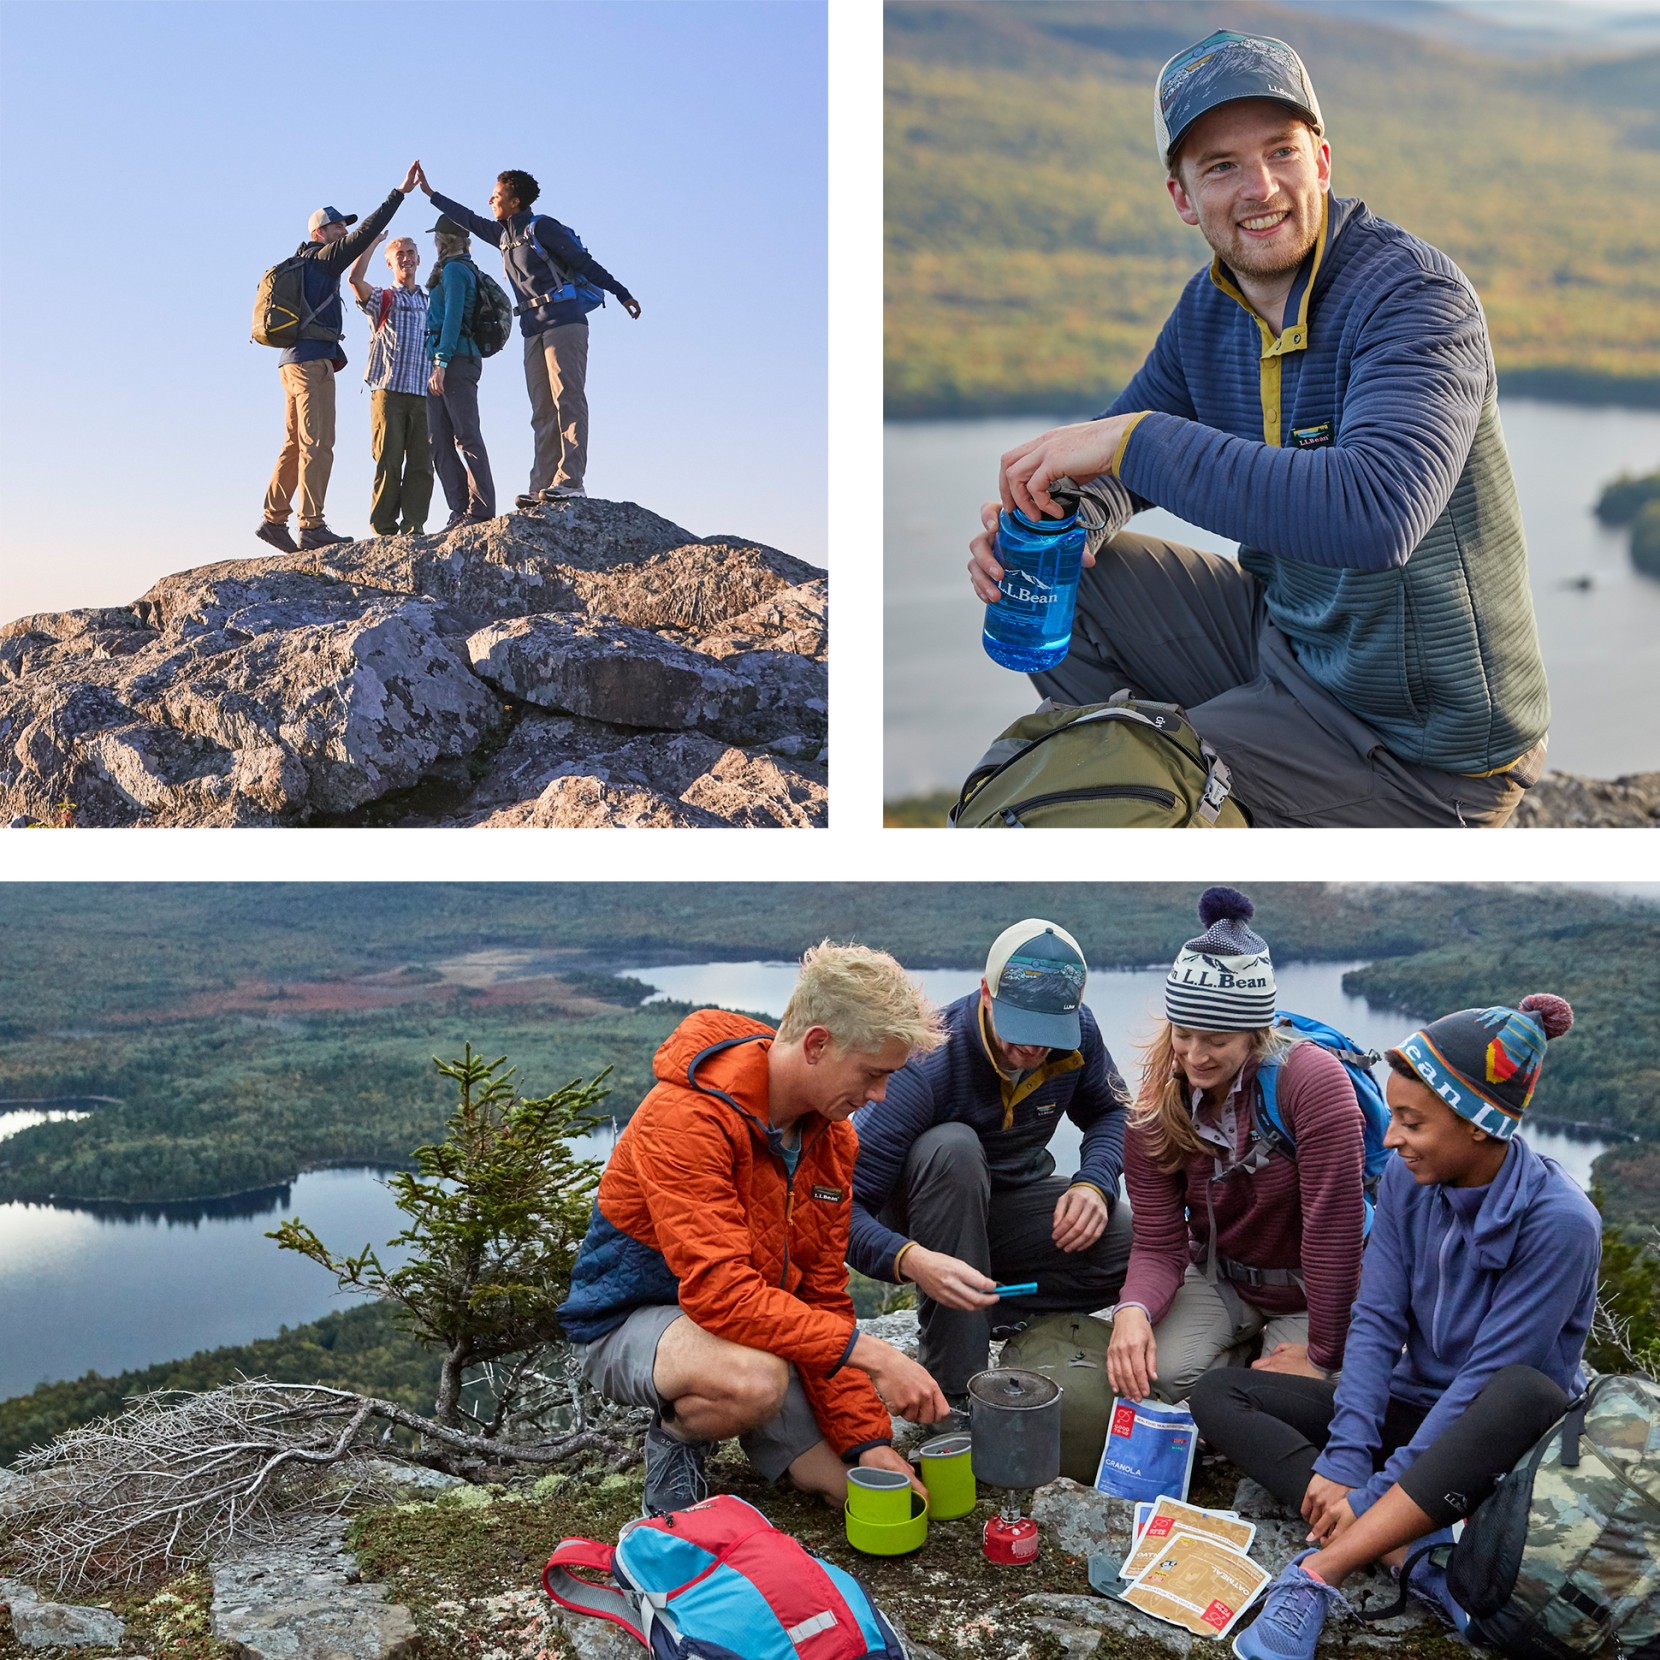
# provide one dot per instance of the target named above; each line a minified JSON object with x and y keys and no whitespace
{"x":1358,"y":1063}
{"x":281,"y":316}
{"x":1072,"y":1350}
{"x":1559,"y":1563}
{"x":718,"y":1581}
{"x":1148,"y":1452}
{"x":1117,"y":764}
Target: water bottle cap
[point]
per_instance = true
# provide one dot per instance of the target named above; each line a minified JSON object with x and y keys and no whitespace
{"x":1045,"y":526}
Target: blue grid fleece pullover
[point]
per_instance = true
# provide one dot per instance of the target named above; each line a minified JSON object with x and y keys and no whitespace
{"x":1357,"y":459}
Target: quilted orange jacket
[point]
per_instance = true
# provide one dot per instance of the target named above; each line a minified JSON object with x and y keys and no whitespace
{"x":696,"y":1207}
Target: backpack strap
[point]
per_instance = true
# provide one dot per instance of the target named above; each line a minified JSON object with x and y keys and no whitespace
{"x":583,"y":1596}
{"x":385,"y":309}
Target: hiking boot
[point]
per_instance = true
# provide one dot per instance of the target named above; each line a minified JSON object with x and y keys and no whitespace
{"x":524,"y":503}
{"x":320,"y":536}
{"x":563,"y":492}
{"x":277,"y":535}
{"x":1288,"y":1626}
{"x":474,"y":519}
{"x":1426,"y":1579}
{"x":676,"y":1477}
{"x":451,"y":522}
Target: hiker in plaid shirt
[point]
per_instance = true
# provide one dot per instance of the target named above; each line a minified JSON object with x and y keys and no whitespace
{"x":397,"y":374}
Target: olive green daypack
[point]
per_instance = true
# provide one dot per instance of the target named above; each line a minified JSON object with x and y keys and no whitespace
{"x":1071,"y":1349}
{"x":1122,"y":763}
{"x":282,"y":318}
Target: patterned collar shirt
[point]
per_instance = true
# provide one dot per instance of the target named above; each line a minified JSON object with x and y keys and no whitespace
{"x":397,"y":346}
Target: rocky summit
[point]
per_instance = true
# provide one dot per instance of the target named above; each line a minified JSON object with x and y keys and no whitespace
{"x":584,"y":664}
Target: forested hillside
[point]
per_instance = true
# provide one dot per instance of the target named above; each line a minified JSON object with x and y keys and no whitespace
{"x":251,"y":1031}
{"x":1032,"y":251}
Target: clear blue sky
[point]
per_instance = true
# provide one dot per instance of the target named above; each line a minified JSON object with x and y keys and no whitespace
{"x":155,"y":158}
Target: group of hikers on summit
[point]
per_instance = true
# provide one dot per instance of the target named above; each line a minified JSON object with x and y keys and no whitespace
{"x":1324,"y":394}
{"x":1376,"y":1369}
{"x":426,"y":349}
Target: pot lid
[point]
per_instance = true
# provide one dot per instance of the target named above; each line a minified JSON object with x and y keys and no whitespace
{"x":1008,"y":1389}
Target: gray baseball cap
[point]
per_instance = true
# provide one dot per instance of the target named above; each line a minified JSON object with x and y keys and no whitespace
{"x":446,"y":226}
{"x":330,"y":216}
{"x":1221,"y":69}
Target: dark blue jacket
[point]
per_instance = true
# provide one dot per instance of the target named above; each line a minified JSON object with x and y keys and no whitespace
{"x":1357,"y":458}
{"x":558,"y":243}
{"x":1454,"y":1284}
{"x":957,"y":1084}
{"x":326,"y":263}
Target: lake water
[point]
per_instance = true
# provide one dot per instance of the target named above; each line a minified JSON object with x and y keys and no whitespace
{"x":114,"y":1287}
{"x":945,"y":700}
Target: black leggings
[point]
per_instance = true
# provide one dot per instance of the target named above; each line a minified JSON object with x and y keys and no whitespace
{"x":1274,"y":1425}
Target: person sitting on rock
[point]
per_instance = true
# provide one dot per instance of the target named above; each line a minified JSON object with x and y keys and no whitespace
{"x":1467,"y":1339}
{"x":397,"y":379}
{"x":308,"y":368}
{"x":557,"y":282}
{"x":1235,"y":1243}
{"x":458,"y":450}
{"x":711,"y":1288}
{"x":955,"y":1189}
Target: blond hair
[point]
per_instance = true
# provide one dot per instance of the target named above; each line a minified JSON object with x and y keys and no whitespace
{"x":863,"y":998}
{"x":1163,"y":1109}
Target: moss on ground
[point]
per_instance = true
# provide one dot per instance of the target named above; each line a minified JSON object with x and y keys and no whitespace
{"x":172,"y":1620}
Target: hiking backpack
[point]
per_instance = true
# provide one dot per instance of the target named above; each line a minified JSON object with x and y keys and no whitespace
{"x":562,"y":284}
{"x":718,"y":1581}
{"x":1358,"y":1063}
{"x":1560,"y":1562}
{"x":490,"y":321}
{"x":281,"y":315}
{"x":1119,"y":763}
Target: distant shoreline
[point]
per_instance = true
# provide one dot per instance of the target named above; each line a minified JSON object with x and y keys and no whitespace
{"x":1573,"y":387}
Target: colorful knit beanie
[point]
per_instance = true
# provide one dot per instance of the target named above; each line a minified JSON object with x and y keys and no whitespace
{"x":1484,"y":1062}
{"x":1222,"y":981}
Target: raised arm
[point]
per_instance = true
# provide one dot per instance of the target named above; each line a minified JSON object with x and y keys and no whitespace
{"x":358,"y":274}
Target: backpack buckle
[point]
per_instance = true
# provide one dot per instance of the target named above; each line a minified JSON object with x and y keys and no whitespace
{"x":1215,"y":797}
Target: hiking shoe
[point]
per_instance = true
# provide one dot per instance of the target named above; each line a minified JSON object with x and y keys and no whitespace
{"x":1426,"y":1579}
{"x":525,"y":502}
{"x":473,"y":519}
{"x":277,"y":535}
{"x":320,"y":536}
{"x":676,"y":1477}
{"x":563,"y":492}
{"x":1288,"y":1626}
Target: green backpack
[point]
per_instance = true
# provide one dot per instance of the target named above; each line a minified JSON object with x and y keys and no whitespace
{"x":1071,"y":1349}
{"x":1116,"y":764}
{"x":1559,"y":1564}
{"x":281,"y":316}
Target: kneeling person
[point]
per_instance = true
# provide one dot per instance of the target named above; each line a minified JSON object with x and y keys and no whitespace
{"x":712,"y":1288}
{"x":955,"y":1181}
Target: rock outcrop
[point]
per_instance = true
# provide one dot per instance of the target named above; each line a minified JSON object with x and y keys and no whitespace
{"x":1560,"y":800}
{"x":39,"y":1623}
{"x":588,"y":663}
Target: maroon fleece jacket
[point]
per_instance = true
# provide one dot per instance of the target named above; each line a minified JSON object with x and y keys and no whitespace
{"x":1305,"y":1214}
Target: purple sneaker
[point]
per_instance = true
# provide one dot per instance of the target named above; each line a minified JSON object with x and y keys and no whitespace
{"x":1426,"y":1579}
{"x":1288,"y":1625}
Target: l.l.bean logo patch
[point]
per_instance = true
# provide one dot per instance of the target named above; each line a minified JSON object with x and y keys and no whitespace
{"x":830,"y":1195}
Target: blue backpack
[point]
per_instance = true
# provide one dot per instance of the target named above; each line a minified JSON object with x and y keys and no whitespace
{"x":718,"y":1581}
{"x":1358,"y":1063}
{"x":538,"y":277}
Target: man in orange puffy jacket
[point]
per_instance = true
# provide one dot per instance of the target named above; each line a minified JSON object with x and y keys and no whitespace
{"x":711,"y":1288}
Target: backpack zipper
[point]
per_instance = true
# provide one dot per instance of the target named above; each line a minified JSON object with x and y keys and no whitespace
{"x":1098,"y":792}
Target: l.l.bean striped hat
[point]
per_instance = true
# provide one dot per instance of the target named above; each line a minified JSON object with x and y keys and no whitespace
{"x":1484,"y":1063}
{"x":1222,"y":980}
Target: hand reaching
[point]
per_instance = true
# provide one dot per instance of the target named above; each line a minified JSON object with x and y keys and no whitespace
{"x":421,"y":179}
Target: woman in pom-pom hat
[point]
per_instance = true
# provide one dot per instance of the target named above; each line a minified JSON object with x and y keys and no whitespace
{"x":1235,"y":1243}
{"x":1467,"y":1339}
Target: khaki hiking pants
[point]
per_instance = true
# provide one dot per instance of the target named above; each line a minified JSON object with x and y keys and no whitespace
{"x":307,"y":456}
{"x":1209,"y":1326}
{"x":403,"y":462}
{"x":556,"y":376}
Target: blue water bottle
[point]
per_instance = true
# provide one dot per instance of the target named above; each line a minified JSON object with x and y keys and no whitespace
{"x":1029,"y":627}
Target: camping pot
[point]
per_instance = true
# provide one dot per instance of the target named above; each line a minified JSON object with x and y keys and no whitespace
{"x":1014,"y":1418}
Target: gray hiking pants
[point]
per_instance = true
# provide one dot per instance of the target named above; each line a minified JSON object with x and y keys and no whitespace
{"x":948,"y":1203}
{"x":1179,"y":626}
{"x":458,"y":453}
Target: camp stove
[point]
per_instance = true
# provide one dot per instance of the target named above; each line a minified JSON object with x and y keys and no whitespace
{"x":1015,"y":1420}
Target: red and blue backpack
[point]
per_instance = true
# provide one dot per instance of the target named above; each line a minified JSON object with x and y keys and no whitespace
{"x":718,"y":1581}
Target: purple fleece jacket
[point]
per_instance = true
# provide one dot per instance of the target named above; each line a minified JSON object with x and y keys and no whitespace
{"x":1466,"y":1280}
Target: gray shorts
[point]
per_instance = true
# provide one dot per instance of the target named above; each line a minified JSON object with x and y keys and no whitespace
{"x":621,"y":1366}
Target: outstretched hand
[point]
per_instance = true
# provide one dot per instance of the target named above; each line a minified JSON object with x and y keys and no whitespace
{"x":421,"y":179}
{"x":410,"y":178}
{"x":632,"y":307}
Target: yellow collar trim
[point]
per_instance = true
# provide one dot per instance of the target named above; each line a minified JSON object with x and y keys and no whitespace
{"x":1013,"y":1092}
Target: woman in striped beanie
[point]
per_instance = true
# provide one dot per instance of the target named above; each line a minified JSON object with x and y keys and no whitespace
{"x":1467,"y":1339}
{"x":1235,"y":1243}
